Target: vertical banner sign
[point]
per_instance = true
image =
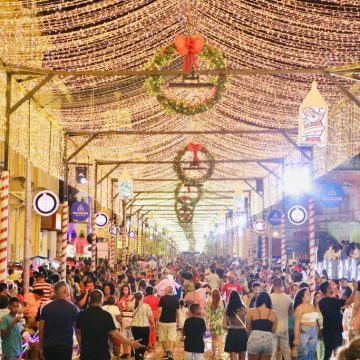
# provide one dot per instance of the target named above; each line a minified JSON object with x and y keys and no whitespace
{"x":93,"y":243}
{"x":4,"y":225}
{"x":312,"y":244}
{"x":64,"y":238}
{"x":313,"y":119}
{"x":283,"y":240}
{"x":125,"y":184}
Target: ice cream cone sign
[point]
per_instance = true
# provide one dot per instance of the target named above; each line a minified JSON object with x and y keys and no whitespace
{"x":313,"y":119}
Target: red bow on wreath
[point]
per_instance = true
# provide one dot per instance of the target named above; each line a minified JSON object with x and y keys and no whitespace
{"x":189,"y":46}
{"x":195,"y":148}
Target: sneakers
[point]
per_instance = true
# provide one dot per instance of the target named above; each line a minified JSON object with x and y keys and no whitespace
{"x":124,"y":356}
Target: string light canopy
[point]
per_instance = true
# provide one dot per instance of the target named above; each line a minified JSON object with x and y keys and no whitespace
{"x":112,"y":35}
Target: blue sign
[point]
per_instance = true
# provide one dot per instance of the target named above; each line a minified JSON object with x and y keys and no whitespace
{"x":332,"y":195}
{"x":80,"y":211}
{"x":275,"y":217}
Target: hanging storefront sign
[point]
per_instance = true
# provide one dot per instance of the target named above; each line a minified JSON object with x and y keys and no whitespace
{"x":313,"y":119}
{"x":80,"y":211}
{"x":332,"y":195}
{"x":46,"y":203}
{"x":297,"y":215}
{"x":259,"y":226}
{"x":114,"y":230}
{"x":125,"y":185}
{"x":274,"y":217}
{"x":101,"y":219}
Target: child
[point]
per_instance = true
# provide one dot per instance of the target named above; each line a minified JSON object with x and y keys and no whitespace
{"x":194,"y":331}
{"x":11,"y":331}
{"x":183,"y":314}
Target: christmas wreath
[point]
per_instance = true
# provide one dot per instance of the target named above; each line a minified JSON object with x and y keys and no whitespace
{"x":186,"y":199}
{"x":195,"y":148}
{"x":188,"y":47}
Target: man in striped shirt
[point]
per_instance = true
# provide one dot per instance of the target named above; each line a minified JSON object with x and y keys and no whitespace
{"x":47,"y":288}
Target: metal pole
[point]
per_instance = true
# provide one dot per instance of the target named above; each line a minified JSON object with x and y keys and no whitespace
{"x":93,"y":225}
{"x":7,"y":119}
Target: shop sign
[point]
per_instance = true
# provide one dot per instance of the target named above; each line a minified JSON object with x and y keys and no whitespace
{"x":297,"y":215}
{"x":101,"y":219}
{"x":275,"y":217}
{"x":332,"y":195}
{"x":46,"y":203}
{"x":80,"y":211}
{"x":259,"y":226}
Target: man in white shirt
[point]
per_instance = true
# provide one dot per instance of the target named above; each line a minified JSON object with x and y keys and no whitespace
{"x":213,"y":278}
{"x":281,"y":304}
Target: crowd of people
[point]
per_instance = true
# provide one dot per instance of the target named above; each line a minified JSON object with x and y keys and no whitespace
{"x":262,"y":312}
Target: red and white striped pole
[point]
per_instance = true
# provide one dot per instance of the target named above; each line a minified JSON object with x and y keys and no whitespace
{"x":123,"y":244}
{"x":4,"y":225}
{"x":64,"y":238}
{"x":111,"y":244}
{"x":263,"y":244}
{"x":249,"y":242}
{"x":312,"y":244}
{"x":93,"y":243}
{"x":283,"y":240}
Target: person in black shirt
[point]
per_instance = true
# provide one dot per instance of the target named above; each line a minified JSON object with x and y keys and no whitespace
{"x":93,"y":327}
{"x":194,"y":331}
{"x":168,"y":318}
{"x":330,"y":308}
{"x":56,"y":327}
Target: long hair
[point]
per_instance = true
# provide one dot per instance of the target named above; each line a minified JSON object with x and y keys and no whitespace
{"x":122,"y":290}
{"x":350,"y":352}
{"x":138,"y":297}
{"x":234,"y":304}
{"x":264,"y":299}
{"x":215,"y":298}
{"x":299,"y":297}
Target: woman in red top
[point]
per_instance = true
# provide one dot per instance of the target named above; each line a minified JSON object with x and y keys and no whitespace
{"x":153,"y":301}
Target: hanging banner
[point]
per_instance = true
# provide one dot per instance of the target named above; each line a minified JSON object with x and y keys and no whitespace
{"x":80,"y":211}
{"x":46,"y":203}
{"x":313,"y":119}
{"x":274,"y":217}
{"x":297,"y":215}
{"x":332,"y":195}
{"x":125,"y":185}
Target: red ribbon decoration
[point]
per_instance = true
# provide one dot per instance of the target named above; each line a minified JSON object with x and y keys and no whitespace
{"x":195,"y":148}
{"x":189,"y":46}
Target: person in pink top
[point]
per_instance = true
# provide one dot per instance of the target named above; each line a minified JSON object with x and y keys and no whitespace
{"x":153,"y":301}
{"x":355,"y":316}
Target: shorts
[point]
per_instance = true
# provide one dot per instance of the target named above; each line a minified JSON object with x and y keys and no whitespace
{"x":167,"y":331}
{"x":127,"y":333}
{"x":260,"y":343}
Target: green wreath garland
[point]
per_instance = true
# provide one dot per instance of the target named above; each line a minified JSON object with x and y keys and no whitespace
{"x":193,"y":181}
{"x":190,"y":201}
{"x":163,"y":57}
{"x":181,"y":220}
